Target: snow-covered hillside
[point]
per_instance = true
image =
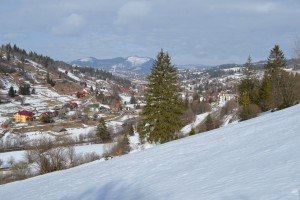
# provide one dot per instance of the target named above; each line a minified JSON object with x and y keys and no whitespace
{"x":255,"y":159}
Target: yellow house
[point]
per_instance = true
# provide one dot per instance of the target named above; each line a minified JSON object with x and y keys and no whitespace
{"x":24,"y":116}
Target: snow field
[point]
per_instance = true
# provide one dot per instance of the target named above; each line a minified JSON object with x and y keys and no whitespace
{"x":256,"y":159}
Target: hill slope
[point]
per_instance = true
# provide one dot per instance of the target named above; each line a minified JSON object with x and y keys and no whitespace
{"x":255,"y":159}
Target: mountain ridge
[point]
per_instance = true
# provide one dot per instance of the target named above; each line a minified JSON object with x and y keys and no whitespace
{"x":136,"y":64}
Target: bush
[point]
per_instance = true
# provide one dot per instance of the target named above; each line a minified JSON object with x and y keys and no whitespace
{"x":120,"y":148}
{"x":20,"y":170}
{"x":49,"y":155}
{"x":228,"y":107}
{"x":88,"y":157}
{"x":192,"y":132}
{"x":249,"y":112}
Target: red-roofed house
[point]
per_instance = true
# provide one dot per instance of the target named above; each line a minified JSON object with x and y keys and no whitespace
{"x":81,"y":93}
{"x":127,"y":91}
{"x":24,"y":116}
{"x":46,"y":114}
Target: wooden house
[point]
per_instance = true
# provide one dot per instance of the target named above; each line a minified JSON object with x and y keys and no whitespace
{"x":24,"y":116}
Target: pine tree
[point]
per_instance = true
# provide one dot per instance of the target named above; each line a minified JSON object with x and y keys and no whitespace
{"x":161,"y":114}
{"x":248,"y":87}
{"x":33,"y":91}
{"x":265,"y":93}
{"x":282,"y":84}
{"x":276,"y":60}
{"x":102,"y":131}
{"x":11,"y":92}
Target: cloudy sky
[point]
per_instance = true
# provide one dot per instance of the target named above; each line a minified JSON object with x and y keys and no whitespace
{"x":207,"y":32}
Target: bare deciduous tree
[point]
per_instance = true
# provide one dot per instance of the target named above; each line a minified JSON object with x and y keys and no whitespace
{"x":50,"y":155}
{"x":21,"y":170}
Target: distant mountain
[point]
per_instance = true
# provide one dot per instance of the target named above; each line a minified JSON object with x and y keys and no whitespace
{"x":192,"y":66}
{"x":139,"y":65}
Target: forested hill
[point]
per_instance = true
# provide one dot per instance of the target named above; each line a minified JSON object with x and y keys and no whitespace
{"x":12,"y":57}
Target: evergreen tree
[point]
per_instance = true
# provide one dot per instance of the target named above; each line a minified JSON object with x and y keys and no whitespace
{"x":102,"y":131}
{"x":91,"y":89}
{"x":265,"y":93}
{"x":248,"y":88}
{"x":282,"y":84}
{"x":161,"y":114}
{"x":33,"y":91}
{"x":132,"y":99}
{"x":276,"y":60}
{"x":11,"y":92}
{"x":24,"y":89}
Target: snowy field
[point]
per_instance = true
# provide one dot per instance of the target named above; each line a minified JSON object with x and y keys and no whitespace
{"x":199,"y":118}
{"x":79,"y":151}
{"x":38,"y":101}
{"x":257,"y":159}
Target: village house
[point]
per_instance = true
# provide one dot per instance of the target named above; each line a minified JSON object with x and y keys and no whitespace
{"x":127,"y":91}
{"x":223,"y":96}
{"x":47,"y":115}
{"x":96,"y":107}
{"x":70,"y":106}
{"x":81,"y":93}
{"x":24,"y":116}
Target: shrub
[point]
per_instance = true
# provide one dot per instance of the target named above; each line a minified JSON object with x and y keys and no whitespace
{"x":121,"y":147}
{"x":192,"y":132}
{"x":20,"y":170}
{"x":228,"y":107}
{"x":249,"y":112}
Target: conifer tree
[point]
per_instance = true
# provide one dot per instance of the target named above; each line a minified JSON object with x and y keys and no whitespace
{"x":161,"y":114}
{"x":282,"y":84}
{"x":11,"y":92}
{"x":248,"y":86}
{"x":265,"y":93}
{"x":102,"y":131}
{"x":276,"y":60}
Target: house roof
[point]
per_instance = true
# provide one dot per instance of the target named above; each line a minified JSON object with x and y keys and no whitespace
{"x":47,"y":113}
{"x":25,"y":112}
{"x":95,"y":105}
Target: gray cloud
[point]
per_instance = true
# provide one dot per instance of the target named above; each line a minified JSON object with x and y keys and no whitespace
{"x":192,"y":31}
{"x":70,"y":26}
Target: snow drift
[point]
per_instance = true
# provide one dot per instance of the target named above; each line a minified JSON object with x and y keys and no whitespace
{"x":255,"y":159}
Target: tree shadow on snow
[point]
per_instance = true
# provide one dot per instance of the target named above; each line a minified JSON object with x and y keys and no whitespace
{"x":115,"y":190}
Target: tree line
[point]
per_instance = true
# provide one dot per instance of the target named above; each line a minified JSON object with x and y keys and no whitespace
{"x":278,"y":88}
